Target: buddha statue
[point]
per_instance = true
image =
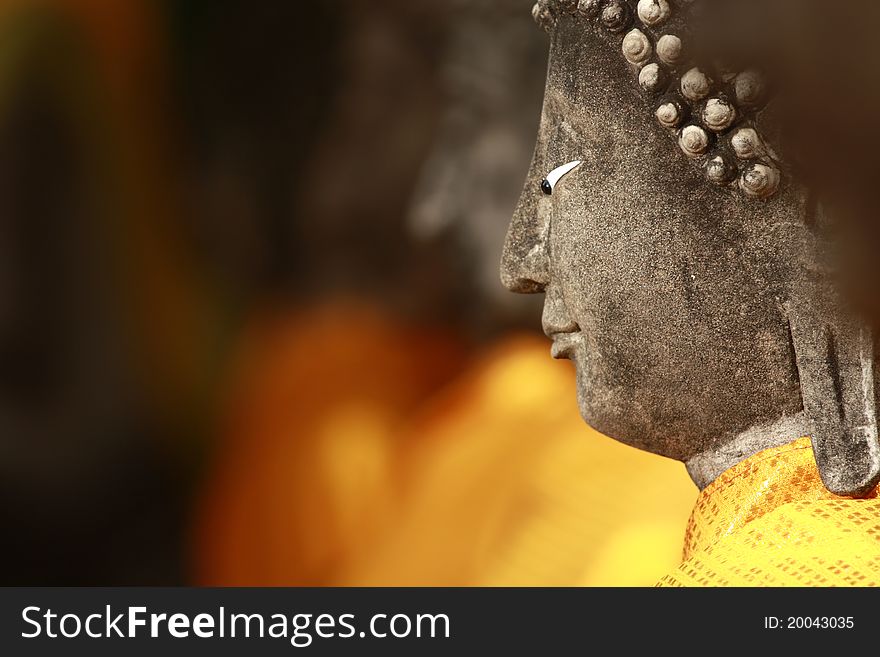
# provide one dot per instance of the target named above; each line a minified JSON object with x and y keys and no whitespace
{"x":688,"y":273}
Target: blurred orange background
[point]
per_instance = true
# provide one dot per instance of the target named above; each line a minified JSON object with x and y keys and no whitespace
{"x":250,"y":326}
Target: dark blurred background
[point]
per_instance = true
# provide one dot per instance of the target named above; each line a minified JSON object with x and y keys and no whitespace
{"x":250,"y":325}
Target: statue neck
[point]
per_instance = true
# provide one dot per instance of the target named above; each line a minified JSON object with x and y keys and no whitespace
{"x":705,"y":467}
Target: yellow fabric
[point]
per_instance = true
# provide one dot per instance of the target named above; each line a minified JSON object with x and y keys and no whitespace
{"x":379,"y":456}
{"x":769,"y":521}
{"x":506,"y":486}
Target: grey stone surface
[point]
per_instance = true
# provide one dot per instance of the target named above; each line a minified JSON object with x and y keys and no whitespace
{"x":704,"y":325}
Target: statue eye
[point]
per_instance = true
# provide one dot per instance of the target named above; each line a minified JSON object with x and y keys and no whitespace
{"x":549,"y":183}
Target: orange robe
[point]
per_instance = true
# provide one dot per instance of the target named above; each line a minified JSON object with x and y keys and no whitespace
{"x":769,"y":521}
{"x":382,"y":456}
{"x":506,"y":486}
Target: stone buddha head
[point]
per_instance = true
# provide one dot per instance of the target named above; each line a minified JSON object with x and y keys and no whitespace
{"x":686,"y":267}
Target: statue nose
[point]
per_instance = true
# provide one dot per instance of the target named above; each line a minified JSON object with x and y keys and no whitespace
{"x":525,"y":262}
{"x":526,"y":275}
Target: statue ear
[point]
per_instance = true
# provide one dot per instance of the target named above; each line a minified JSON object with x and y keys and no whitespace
{"x":835,"y":362}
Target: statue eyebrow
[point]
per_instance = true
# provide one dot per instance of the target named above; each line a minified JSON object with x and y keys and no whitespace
{"x":549,"y":183}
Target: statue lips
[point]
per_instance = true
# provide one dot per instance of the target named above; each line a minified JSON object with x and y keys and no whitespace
{"x":559,"y":327}
{"x":564,"y":345}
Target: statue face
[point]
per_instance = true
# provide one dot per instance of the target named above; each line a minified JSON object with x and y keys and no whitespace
{"x":668,"y":293}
